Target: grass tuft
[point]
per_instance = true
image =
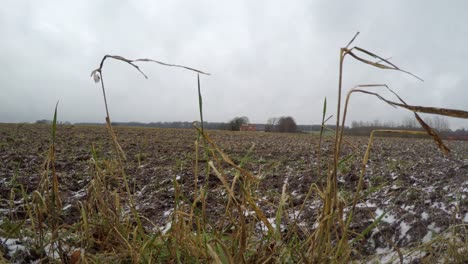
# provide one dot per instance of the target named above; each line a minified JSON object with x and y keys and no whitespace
{"x":110,"y":227}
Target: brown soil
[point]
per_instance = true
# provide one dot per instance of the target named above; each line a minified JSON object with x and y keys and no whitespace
{"x":420,"y":189}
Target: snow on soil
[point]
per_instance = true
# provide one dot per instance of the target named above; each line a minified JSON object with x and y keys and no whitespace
{"x":13,"y":246}
{"x":418,"y":188}
{"x":424,"y":216}
{"x":404,"y":227}
{"x":388,"y":217}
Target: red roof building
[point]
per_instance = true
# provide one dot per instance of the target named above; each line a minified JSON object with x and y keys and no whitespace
{"x":248,"y":127}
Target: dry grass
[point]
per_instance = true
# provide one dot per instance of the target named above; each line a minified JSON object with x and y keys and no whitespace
{"x":111,"y":230}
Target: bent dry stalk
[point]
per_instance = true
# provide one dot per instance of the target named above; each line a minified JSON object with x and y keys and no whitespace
{"x":97,"y":75}
{"x":383,"y":64}
{"x":332,"y":207}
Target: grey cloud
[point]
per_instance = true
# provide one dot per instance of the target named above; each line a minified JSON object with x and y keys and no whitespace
{"x":267,"y":58}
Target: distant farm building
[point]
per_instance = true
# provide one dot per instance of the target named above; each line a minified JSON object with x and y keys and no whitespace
{"x":248,"y":127}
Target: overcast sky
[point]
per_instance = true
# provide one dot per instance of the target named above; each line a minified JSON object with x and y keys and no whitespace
{"x":266,"y":58}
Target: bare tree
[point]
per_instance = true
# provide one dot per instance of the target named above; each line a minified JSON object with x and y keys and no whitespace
{"x":440,"y":123}
{"x":271,"y":124}
{"x":409,"y":123}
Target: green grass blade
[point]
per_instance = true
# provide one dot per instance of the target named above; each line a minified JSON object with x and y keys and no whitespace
{"x":54,"y":123}
{"x":324,"y":109}
{"x":200,"y":102}
{"x":369,"y":228}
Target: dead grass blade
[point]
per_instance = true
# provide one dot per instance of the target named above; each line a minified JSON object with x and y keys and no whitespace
{"x":433,"y":134}
{"x":345,"y":111}
{"x":423,"y":124}
{"x":248,"y":175}
{"x":434,"y":110}
{"x":429,"y":130}
{"x":382,"y":63}
{"x":132,"y":63}
{"x":426,"y":127}
{"x":173,"y":65}
{"x":224,"y":181}
{"x":225,"y":157}
{"x":352,"y":40}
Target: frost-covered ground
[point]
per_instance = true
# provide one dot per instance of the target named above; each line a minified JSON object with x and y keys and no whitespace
{"x":419,"y":192}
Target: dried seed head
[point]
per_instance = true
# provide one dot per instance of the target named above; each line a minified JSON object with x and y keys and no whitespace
{"x":96,"y":76}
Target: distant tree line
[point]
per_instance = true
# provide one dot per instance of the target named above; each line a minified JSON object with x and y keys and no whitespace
{"x":288,"y":124}
{"x":48,"y":122}
{"x":177,"y":124}
{"x":272,"y":125}
{"x":276,"y":124}
{"x":439,"y":124}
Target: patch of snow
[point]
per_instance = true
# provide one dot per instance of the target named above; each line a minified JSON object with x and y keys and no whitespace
{"x":13,"y":245}
{"x":249,"y":213}
{"x":272,"y":222}
{"x":408,"y":208}
{"x":168,"y":212}
{"x":439,"y":205}
{"x":294,"y":214}
{"x":316,"y":224}
{"x":427,"y":237}
{"x":52,"y":251}
{"x":365,"y":205}
{"x":166,"y":228}
{"x":424,"y":215}
{"x":466,"y":218}
{"x":463,"y":250}
{"x":79,"y":194}
{"x":178,"y":177}
{"x":429,"y":189}
{"x":404,"y":227}
{"x":389,"y":218}
{"x":371,"y":242}
{"x":360,"y":205}
{"x":387,"y":201}
{"x":433,"y":227}
{"x":386,"y":255}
